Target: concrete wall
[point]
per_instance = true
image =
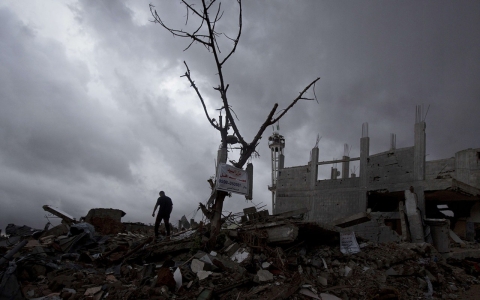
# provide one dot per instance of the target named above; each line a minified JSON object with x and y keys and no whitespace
{"x":390,"y":167}
{"x":293,"y":190}
{"x":391,"y":171}
{"x":328,"y":200}
{"x":467,"y":166}
{"x":440,"y":169}
{"x":334,"y":199}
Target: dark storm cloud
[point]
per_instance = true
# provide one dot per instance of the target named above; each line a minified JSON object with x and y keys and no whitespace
{"x":376,"y":62}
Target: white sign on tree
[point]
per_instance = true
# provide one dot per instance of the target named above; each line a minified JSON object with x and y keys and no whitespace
{"x":231,"y":179}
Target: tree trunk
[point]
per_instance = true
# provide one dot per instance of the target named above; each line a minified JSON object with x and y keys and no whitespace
{"x":216,"y":221}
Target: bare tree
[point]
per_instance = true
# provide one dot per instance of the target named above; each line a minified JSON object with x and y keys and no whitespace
{"x":206,"y":34}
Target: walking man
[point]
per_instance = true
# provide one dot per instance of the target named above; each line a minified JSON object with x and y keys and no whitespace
{"x":164,"y":212}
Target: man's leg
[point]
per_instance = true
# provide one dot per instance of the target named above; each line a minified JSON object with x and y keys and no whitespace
{"x":157,"y":223}
{"x":167,"y":225}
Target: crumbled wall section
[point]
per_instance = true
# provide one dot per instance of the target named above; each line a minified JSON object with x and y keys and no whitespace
{"x":114,"y":214}
{"x":376,"y":230}
{"x":106,"y":220}
{"x":391,"y":167}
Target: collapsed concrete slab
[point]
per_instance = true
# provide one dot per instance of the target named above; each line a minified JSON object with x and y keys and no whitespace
{"x":352,"y":220}
{"x":66,"y":218}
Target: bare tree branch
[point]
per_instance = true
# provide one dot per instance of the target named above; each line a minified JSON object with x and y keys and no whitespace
{"x":238,"y":35}
{"x":178,"y":32}
{"x":187,"y":74}
{"x":295,"y":101}
{"x":193,"y":9}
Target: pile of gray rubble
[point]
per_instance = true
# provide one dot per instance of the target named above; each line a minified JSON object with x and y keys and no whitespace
{"x":256,"y":257}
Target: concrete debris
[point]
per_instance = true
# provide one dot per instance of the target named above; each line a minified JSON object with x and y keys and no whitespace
{"x":66,"y":218}
{"x":264,"y":276}
{"x":355,"y":219}
{"x":203,"y":274}
{"x":456,"y":239}
{"x":270,"y":257}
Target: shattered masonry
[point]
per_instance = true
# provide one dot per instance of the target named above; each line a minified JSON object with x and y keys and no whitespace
{"x":257,"y":256}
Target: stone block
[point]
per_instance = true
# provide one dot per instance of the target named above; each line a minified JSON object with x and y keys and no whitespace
{"x":197,"y":265}
{"x":322,"y":280}
{"x":264,"y":276}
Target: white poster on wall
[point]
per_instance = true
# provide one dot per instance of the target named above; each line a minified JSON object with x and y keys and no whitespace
{"x":231,"y":179}
{"x":348,"y":243}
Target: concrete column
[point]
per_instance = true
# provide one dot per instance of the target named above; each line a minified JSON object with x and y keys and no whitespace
{"x":333,"y":173}
{"x":345,"y":167}
{"x":364,"y":154}
{"x":420,"y":192}
{"x":281,"y":162}
{"x":419,"y":152}
{"x":314,"y":168}
{"x":414,"y":217}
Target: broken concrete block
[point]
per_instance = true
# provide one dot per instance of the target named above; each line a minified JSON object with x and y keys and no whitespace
{"x":206,"y":259}
{"x":282,"y":234}
{"x":240,"y":255}
{"x":325,"y":296}
{"x":391,"y":272}
{"x":309,"y":293}
{"x":264,"y":276}
{"x":92,"y":291}
{"x":61,"y":229}
{"x":203,"y":274}
{"x":322,"y":280}
{"x":347,"y":271}
{"x":232,"y":249}
{"x":66,"y":218}
{"x":456,"y":239}
{"x":206,"y":294}
{"x":197,"y":265}
{"x":177,"y":275}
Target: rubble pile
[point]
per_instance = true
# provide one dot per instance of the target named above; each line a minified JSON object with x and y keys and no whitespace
{"x":265,"y":257}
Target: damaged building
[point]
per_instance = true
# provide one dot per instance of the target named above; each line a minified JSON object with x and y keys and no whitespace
{"x":446,"y":189}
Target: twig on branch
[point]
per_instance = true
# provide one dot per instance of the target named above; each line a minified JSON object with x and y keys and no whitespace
{"x":295,"y":101}
{"x":192,"y":83}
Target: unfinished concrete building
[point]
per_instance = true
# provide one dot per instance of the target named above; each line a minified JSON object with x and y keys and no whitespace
{"x":381,"y":186}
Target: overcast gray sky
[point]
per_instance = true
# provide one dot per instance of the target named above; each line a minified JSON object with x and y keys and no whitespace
{"x":93,"y":112}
